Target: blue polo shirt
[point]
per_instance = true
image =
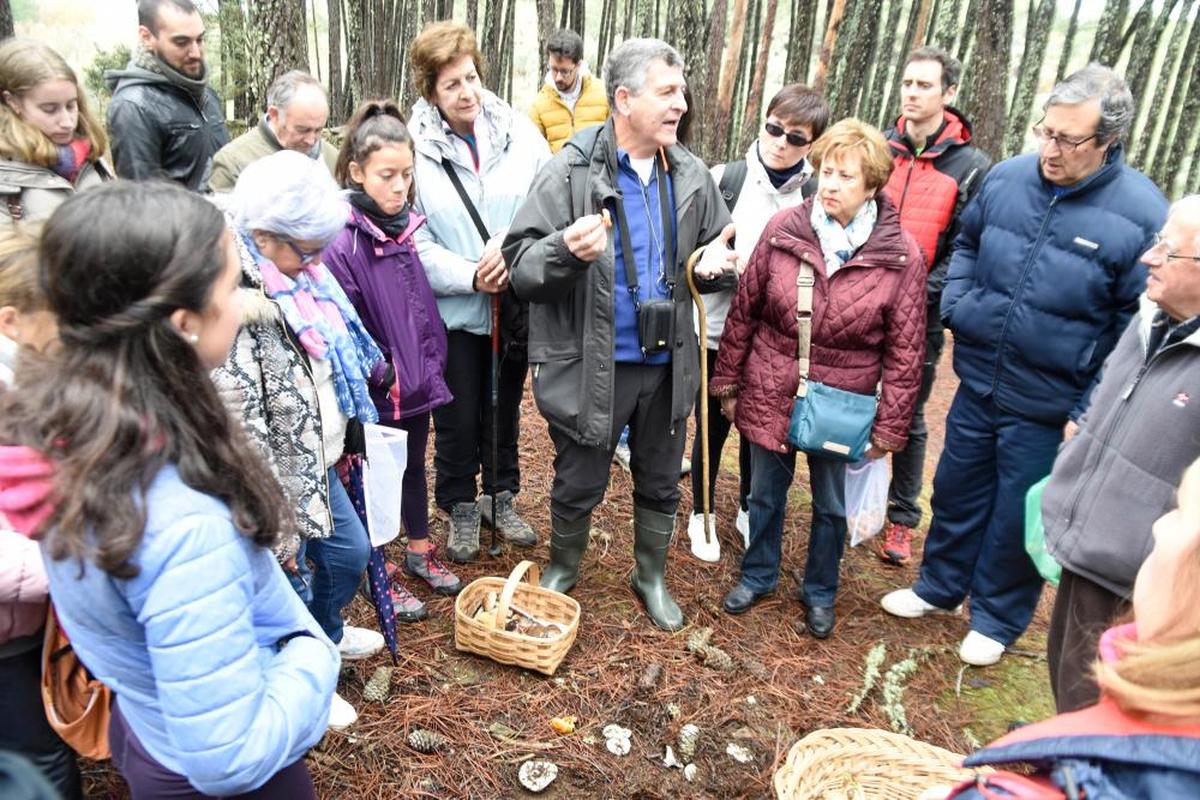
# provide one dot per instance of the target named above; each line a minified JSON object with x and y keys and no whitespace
{"x":653,"y":256}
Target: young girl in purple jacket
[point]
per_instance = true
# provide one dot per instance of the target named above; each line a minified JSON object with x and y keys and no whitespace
{"x":375,"y":260}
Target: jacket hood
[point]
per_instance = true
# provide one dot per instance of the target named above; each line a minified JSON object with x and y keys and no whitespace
{"x":116,"y":79}
{"x":26,"y":487}
{"x":955,"y":131}
{"x":429,"y":127}
{"x":1147,"y":310}
{"x":886,"y":240}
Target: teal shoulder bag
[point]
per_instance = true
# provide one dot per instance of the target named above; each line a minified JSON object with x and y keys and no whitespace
{"x":827,"y":422}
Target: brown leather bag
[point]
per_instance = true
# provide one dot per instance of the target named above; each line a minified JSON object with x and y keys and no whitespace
{"x":78,"y":706}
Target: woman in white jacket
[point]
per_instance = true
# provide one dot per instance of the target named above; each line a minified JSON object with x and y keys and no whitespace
{"x":774,"y":175}
{"x":470,"y":142}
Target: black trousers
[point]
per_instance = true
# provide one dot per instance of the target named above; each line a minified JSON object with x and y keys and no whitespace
{"x":463,"y":445}
{"x":1083,"y":610}
{"x":718,"y":432}
{"x":908,"y":466}
{"x":641,"y":400}
{"x":24,"y":728}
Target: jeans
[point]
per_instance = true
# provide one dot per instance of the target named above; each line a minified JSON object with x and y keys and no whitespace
{"x":25,"y":729}
{"x":908,"y":466}
{"x":463,"y":445}
{"x":772,"y":477}
{"x":718,"y":432}
{"x":338,"y":563}
{"x":976,"y":541}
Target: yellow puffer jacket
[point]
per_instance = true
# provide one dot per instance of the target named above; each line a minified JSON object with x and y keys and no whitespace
{"x":556,"y":122}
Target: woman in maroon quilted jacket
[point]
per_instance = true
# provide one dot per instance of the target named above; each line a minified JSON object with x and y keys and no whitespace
{"x":868,"y":333}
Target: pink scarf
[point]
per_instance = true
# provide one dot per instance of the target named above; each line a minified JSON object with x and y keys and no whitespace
{"x":26,"y":486}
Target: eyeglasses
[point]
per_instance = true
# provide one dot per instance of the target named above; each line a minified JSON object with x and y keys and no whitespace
{"x":306,"y":256}
{"x":793,"y":138}
{"x":1167,"y":248}
{"x":565,"y":72}
{"x":1064,"y":144}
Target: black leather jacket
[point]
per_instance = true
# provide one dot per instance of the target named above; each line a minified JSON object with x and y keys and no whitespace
{"x":159,"y":130}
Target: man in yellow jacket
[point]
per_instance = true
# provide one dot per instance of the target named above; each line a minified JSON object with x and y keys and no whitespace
{"x":572,"y":98}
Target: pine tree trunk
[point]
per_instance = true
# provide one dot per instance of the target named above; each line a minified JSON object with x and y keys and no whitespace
{"x":235,"y":80}
{"x":545,"y":15}
{"x":6,"y":19}
{"x":722,"y":114}
{"x":922,"y":23}
{"x":967,"y":40}
{"x":1137,"y":75}
{"x":278,"y":43}
{"x":708,"y":143}
{"x":799,"y":46}
{"x":1037,"y":32}
{"x":945,"y":27}
{"x":1186,"y":114}
{"x":473,"y":15}
{"x":988,"y":75}
{"x":1189,"y":63}
{"x":875,"y":108}
{"x":1156,"y":119}
{"x":1064,"y":58}
{"x":755,"y":102}
{"x":837,"y":12}
{"x":1106,"y":46}
{"x":742,"y":85}
{"x":339,"y":98}
{"x":860,"y":73}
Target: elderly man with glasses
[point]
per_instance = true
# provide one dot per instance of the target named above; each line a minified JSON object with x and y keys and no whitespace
{"x":1044,"y":278}
{"x":1118,"y":474}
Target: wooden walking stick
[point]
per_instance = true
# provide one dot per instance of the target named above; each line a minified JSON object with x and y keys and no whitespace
{"x":703,"y":432}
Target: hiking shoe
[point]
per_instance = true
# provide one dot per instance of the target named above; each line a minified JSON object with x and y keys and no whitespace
{"x":429,"y":568}
{"x":908,"y":604}
{"x":406,"y":605}
{"x":462,"y":543}
{"x":979,"y":650}
{"x":743,"y":527}
{"x":341,"y":714}
{"x":509,"y":525}
{"x":359,"y":643}
{"x":685,"y":467}
{"x":896,"y":546}
{"x":621,"y":455}
{"x":705,"y":548}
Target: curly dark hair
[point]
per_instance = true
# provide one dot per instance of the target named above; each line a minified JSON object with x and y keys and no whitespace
{"x":122,"y":394}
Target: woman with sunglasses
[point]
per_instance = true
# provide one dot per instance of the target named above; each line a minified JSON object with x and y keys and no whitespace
{"x":298,"y":377}
{"x":774,"y":175}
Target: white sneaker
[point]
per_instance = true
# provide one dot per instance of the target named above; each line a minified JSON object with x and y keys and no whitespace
{"x":979,"y":650}
{"x":341,"y":714}
{"x":621,"y":456}
{"x":743,"y":527}
{"x":908,"y":604}
{"x":358,"y":643}
{"x":702,"y":549}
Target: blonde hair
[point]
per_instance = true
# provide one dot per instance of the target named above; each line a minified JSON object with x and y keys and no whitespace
{"x":1163,"y":676}
{"x":24,"y":65}
{"x":436,"y":46}
{"x":852,"y":135}
{"x":19,"y":285}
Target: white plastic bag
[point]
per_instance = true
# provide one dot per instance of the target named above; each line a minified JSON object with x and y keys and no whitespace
{"x":866,"y":498}
{"x":383,"y":469}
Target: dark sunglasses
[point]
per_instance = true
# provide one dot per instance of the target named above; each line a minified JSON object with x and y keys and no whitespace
{"x":794,"y":139}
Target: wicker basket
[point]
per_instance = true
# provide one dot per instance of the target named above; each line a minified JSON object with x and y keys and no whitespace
{"x":531,"y":652}
{"x":865,"y":764}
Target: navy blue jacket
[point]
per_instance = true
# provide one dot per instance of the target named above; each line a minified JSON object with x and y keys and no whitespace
{"x":1043,"y":282}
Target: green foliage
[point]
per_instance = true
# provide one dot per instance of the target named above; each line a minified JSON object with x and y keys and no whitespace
{"x":24,"y":10}
{"x":93,"y":75}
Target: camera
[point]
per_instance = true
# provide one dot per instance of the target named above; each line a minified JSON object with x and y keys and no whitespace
{"x":656,"y":323}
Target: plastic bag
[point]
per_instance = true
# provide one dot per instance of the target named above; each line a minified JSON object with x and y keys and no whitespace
{"x":866,"y":498}
{"x":1035,"y":534}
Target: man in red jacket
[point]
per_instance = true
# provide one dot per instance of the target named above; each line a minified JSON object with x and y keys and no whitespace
{"x":937,"y":172}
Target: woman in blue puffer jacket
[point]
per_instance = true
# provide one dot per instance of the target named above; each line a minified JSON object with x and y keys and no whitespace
{"x":154,"y":514}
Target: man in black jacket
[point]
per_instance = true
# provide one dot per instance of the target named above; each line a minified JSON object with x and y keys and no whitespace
{"x":165,"y":120}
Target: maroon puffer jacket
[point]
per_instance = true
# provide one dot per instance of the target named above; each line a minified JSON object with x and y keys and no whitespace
{"x":868,"y":324}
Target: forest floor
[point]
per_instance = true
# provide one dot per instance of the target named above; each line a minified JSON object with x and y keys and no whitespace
{"x":624,"y":670}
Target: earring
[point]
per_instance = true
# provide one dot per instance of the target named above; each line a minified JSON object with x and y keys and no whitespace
{"x":193,"y":338}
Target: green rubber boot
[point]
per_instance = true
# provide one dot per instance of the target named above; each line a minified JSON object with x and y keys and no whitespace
{"x":568,"y":540}
{"x":652,"y":532}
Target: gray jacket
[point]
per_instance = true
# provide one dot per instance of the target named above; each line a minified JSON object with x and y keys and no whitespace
{"x":40,"y":190}
{"x":1121,"y":470}
{"x":571,"y":311}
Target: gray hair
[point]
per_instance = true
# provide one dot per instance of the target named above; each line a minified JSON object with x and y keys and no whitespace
{"x":289,"y":194}
{"x":626,"y":65}
{"x":1098,"y":82}
{"x":1190,"y":205}
{"x":284,"y":89}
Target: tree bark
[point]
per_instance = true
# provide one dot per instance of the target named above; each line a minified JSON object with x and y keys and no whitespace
{"x":945,"y":26}
{"x":799,"y":46}
{"x":1189,"y":62}
{"x":836,"y":13}
{"x":1106,"y":46}
{"x":875,"y":106}
{"x":741,"y":85}
{"x":1156,"y":121}
{"x":922,"y":23}
{"x":1037,"y":32}
{"x":755,"y":100}
{"x":1137,"y":73}
{"x":1183,"y":114}
{"x":988,"y":78}
{"x":278,"y":42}
{"x":6,"y":19}
{"x":707,"y":141}
{"x":967,"y":39}
{"x":1064,"y":58}
{"x":545,"y":15}
{"x":339,"y":96}
{"x":722,"y":114}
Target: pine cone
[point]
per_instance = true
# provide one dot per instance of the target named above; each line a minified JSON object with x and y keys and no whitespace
{"x":698,"y":639}
{"x":425,"y":741}
{"x":379,"y":687}
{"x":689,"y":737}
{"x":716,"y":658}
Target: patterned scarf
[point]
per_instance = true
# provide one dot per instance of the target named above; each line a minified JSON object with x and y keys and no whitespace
{"x":322,"y":318}
{"x":71,"y":158}
{"x":839,"y":244}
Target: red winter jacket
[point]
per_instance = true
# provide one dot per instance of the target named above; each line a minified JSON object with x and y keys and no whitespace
{"x":932,"y":188}
{"x":868,"y":325}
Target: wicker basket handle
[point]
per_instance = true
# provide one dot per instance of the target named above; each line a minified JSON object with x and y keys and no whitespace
{"x":524,"y":569}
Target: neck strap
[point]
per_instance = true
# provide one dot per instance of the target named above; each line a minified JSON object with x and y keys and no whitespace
{"x":668,"y":230}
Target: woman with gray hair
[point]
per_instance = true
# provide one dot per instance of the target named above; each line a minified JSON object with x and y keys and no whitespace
{"x":298,"y":377}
